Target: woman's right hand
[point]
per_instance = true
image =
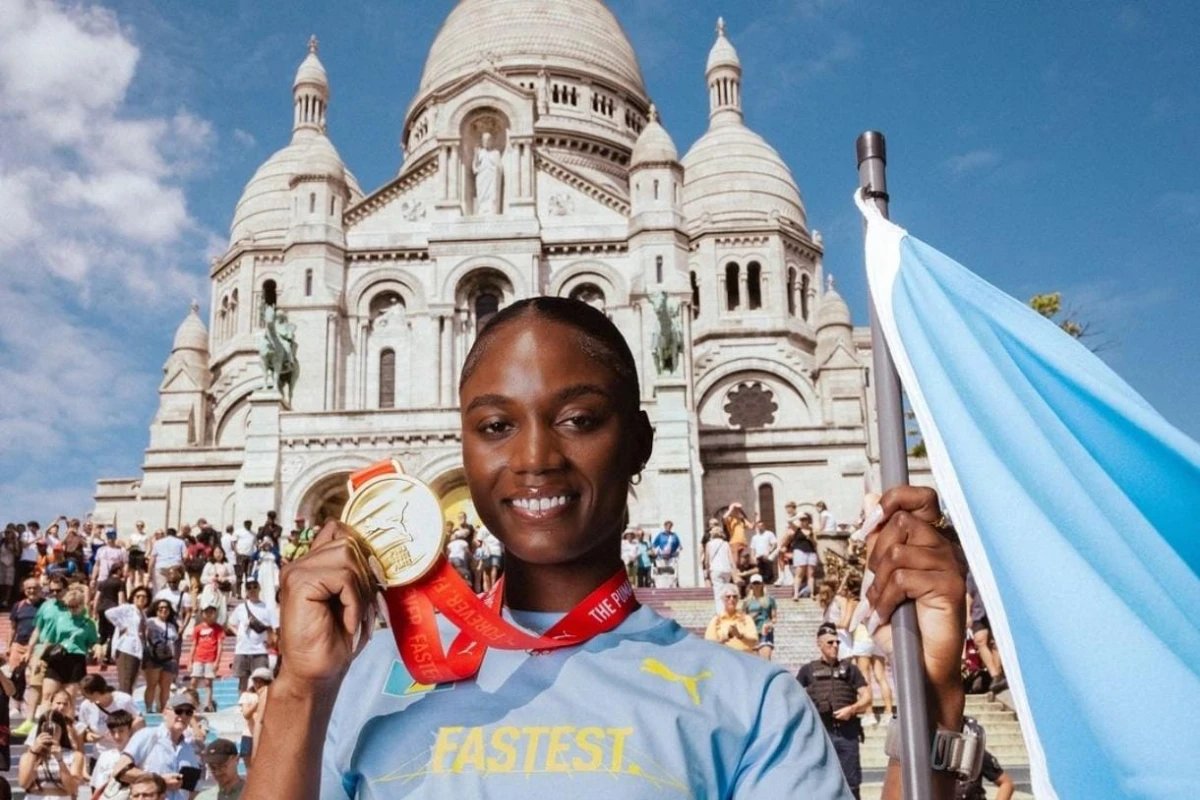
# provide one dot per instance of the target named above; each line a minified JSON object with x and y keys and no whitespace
{"x":327,"y":610}
{"x":43,"y":743}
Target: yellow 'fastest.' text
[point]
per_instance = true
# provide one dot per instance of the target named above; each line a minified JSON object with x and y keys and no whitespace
{"x":529,"y":749}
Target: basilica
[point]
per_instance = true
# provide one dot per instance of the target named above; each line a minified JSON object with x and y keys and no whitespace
{"x":533,"y":162}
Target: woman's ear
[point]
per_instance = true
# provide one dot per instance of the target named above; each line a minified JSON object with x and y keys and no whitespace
{"x":643,"y":442}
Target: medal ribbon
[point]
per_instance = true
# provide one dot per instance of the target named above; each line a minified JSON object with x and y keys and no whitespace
{"x":411,"y":610}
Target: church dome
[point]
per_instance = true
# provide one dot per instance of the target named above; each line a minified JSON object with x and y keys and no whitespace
{"x":833,"y":310}
{"x":732,"y":174}
{"x":311,"y":70}
{"x":265,"y":208}
{"x":580,"y":35}
{"x":654,"y":145}
{"x":191,"y":333}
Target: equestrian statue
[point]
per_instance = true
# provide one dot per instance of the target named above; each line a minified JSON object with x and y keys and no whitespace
{"x":667,"y":341}
{"x":278,"y":353}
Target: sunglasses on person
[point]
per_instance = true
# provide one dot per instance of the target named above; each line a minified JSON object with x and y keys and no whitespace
{"x":184,"y":711}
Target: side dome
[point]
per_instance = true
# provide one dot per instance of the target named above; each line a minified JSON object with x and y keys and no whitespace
{"x":580,"y":35}
{"x":191,"y":333}
{"x":731,"y":174}
{"x":654,"y":145}
{"x":264,"y":210}
{"x":833,"y":310}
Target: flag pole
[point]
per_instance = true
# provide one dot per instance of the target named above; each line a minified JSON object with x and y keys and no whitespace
{"x":907,"y":663}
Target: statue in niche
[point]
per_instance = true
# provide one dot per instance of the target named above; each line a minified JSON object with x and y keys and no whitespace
{"x":488,"y":175}
{"x":667,"y":342}
{"x":392,"y":315}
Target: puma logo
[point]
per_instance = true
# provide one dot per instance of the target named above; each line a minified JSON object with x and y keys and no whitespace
{"x":661,"y":670}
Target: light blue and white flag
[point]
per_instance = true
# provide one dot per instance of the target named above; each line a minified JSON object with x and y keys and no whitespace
{"x":1079,"y":509}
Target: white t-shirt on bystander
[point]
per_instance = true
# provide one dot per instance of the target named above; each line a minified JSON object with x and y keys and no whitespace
{"x":95,"y":719}
{"x":458,"y":549}
{"x":763,"y":543}
{"x":249,"y":641}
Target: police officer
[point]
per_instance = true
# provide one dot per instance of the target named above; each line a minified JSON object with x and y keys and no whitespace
{"x":840,"y":693}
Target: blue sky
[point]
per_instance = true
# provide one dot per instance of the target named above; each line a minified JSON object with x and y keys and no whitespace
{"x":1046,"y":146}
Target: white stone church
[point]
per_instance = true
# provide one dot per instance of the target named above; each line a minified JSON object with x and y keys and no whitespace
{"x":533,"y":162}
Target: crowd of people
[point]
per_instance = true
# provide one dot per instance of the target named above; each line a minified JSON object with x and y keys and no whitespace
{"x":79,"y":596}
{"x":850,"y":683}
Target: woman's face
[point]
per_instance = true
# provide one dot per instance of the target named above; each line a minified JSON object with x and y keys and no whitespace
{"x":141,"y":599}
{"x":218,"y":555}
{"x":163,"y":612}
{"x":546,"y":452}
{"x":61,"y":703}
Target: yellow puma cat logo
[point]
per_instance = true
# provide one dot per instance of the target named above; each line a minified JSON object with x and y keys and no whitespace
{"x":661,"y":670}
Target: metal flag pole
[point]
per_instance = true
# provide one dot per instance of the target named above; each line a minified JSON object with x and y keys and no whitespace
{"x":907,"y":663}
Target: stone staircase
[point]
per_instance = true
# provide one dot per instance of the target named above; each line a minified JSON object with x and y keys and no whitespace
{"x":795,"y":645}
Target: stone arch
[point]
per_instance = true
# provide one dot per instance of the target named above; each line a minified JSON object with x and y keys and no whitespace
{"x":317,"y":481}
{"x":383,"y":279}
{"x":608,"y":279}
{"x":796,"y":403}
{"x":230,"y":428}
{"x":454,"y":280}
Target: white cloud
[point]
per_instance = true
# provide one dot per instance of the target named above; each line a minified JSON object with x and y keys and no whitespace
{"x":98,"y":246}
{"x":244,"y":138}
{"x":972,"y":161}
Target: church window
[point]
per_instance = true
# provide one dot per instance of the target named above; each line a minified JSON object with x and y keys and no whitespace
{"x":269,"y":293}
{"x":387,"y":379}
{"x":308,"y":280}
{"x":658,"y":269}
{"x":589,"y":293}
{"x":312,"y":202}
{"x":389,"y":303}
{"x":695,"y":296}
{"x":804,"y":297}
{"x":791,"y":292}
{"x":751,"y":405}
{"x":766,"y":505}
{"x":656,"y":188}
{"x":332,"y":206}
{"x":732,"y":292}
{"x":487,"y":303}
{"x":753,"y":285}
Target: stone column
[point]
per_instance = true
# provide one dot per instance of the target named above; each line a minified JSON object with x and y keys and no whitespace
{"x":743,"y":285}
{"x":677,"y":473}
{"x":446,"y":359}
{"x":257,"y":484}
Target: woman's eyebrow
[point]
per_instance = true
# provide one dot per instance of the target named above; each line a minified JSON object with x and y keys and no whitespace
{"x":488,"y":400}
{"x":582,"y":390}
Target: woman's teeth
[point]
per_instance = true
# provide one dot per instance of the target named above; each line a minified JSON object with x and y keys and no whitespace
{"x":540,"y":503}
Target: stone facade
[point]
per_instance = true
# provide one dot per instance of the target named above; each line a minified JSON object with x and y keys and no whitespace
{"x":533,"y":163}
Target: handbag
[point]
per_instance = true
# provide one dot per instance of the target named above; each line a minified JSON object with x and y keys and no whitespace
{"x":254,"y":623}
{"x":159,"y":649}
{"x":53,"y":652}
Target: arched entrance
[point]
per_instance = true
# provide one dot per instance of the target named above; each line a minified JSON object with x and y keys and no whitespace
{"x":326,"y":499}
{"x":454,"y":496}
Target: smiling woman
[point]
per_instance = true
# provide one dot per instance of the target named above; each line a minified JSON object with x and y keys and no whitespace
{"x":621,"y":700}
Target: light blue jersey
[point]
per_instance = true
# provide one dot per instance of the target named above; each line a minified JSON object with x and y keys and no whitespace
{"x":646,"y":710}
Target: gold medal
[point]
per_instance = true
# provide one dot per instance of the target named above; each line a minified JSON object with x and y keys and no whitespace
{"x":399,"y":521}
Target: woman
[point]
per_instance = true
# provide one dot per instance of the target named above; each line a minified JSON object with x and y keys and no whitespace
{"x":63,"y":703}
{"x":52,"y":767}
{"x":549,"y":397}
{"x":732,"y":627}
{"x":217,"y":582}
{"x":110,"y":593}
{"x":266,"y":572}
{"x":736,"y":525}
{"x":720,"y":564}
{"x":159,"y":658}
{"x":196,"y":558}
{"x":129,"y":632}
{"x":137,"y":555}
{"x":761,"y":608}
{"x":868,"y":656}
{"x":629,"y":554}
{"x":75,"y":634}
{"x":804,"y":558}
{"x":643,"y":561}
{"x":831,"y":599}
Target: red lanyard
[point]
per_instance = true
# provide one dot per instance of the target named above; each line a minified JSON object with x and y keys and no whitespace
{"x":412,"y":613}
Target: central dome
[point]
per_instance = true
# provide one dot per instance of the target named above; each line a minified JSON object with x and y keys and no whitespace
{"x":580,"y":35}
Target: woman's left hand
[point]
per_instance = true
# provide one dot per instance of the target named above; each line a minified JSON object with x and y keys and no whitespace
{"x":912,"y":560}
